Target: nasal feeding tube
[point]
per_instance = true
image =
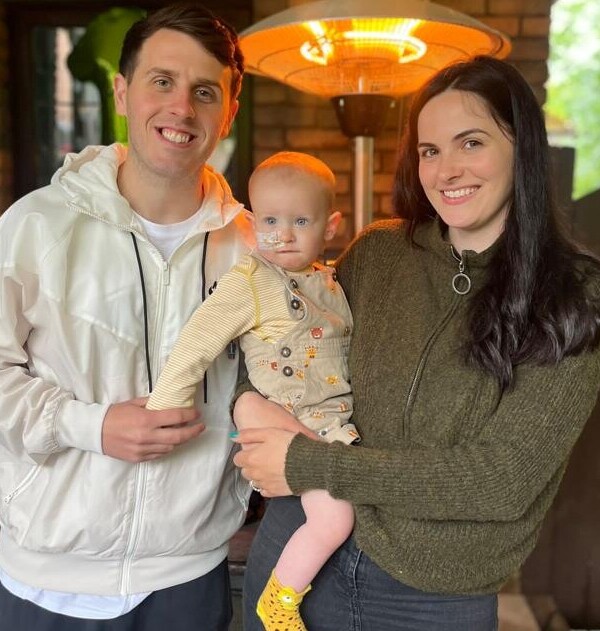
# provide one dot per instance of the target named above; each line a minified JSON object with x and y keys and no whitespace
{"x":269,"y":240}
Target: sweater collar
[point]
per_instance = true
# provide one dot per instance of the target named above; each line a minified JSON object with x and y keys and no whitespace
{"x":432,"y":235}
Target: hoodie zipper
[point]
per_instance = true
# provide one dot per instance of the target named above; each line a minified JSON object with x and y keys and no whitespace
{"x":141,"y":472}
{"x":25,"y":482}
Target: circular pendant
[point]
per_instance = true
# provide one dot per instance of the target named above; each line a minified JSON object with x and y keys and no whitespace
{"x":461,"y":284}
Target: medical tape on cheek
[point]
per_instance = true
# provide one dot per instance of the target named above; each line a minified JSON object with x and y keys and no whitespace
{"x":269,"y":240}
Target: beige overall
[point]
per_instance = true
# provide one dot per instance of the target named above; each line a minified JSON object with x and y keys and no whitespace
{"x":306,"y":371}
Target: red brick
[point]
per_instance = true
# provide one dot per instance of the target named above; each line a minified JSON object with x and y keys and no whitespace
{"x":535,"y":27}
{"x":342,"y":184}
{"x":269,"y":93}
{"x":470,"y":7}
{"x":265,"y":138}
{"x":383,"y":182}
{"x":264,"y":8}
{"x":284,"y":116}
{"x":385,"y":205}
{"x":536,"y":72}
{"x":303,"y":140}
{"x":519,"y":7}
{"x":262,"y":154}
{"x":529,"y":49}
{"x":388,"y":140}
{"x":326,"y":117}
{"x":338,"y":161}
{"x":505,"y":24}
{"x":389,"y":161}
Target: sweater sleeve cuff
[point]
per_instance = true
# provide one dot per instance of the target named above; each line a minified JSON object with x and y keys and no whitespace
{"x":307,"y":464}
{"x":79,"y":425}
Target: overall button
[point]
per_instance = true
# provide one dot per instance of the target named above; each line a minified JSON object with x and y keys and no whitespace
{"x":334,"y":276}
{"x":286,"y":352}
{"x":288,"y":371}
{"x":295,"y":303}
{"x":294,"y":283}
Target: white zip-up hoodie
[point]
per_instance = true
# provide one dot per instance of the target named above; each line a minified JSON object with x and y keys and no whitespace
{"x":72,"y":343}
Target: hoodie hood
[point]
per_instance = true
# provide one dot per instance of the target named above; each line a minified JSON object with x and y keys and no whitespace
{"x":89,"y":180}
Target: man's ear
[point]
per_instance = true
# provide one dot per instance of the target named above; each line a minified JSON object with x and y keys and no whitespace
{"x":120,"y":94}
{"x":234,"y":106}
{"x":332,"y":225}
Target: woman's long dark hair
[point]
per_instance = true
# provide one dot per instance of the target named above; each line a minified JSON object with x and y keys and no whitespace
{"x":536,"y":304}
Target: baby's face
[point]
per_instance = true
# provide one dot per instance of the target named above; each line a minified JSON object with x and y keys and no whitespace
{"x":291,"y":220}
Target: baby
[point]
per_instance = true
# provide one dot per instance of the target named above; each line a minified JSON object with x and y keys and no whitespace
{"x":294,"y":326}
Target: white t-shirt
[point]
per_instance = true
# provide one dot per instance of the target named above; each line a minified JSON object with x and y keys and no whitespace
{"x":166,"y":238}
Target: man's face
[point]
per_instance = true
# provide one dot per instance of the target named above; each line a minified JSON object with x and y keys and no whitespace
{"x":178,"y":106}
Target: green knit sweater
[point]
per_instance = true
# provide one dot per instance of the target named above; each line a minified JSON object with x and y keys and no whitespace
{"x":451,"y":483}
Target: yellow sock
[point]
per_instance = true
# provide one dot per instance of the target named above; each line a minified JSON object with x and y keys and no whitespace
{"x":278,"y":607}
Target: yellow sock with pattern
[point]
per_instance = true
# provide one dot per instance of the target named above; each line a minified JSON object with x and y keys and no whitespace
{"x":278,"y":606}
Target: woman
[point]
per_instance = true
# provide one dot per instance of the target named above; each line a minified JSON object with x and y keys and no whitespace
{"x":474,"y":363}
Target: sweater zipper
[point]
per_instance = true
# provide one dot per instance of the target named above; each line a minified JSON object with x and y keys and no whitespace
{"x":421,"y":365}
{"x":461,"y":284}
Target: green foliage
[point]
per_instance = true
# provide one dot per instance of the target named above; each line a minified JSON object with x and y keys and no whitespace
{"x":574,"y":84}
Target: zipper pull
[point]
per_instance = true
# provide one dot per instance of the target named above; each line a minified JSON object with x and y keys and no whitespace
{"x":166,"y":273}
{"x":231,"y":350}
{"x":461,"y":283}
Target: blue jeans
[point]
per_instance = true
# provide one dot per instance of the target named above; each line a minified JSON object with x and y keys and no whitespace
{"x":351,"y":593}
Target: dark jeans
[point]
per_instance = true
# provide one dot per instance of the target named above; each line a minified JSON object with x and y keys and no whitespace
{"x":203,"y":604}
{"x":351,"y":593}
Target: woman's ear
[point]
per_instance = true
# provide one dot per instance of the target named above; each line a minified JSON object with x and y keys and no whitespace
{"x":332,"y":225}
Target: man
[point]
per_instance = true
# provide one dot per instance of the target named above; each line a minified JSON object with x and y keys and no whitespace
{"x":114,"y":516}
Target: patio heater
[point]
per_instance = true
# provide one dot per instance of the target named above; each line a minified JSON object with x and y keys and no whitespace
{"x":363,"y":55}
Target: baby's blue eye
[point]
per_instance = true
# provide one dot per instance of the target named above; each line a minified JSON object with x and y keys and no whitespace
{"x":301,"y":221}
{"x":270,"y":221}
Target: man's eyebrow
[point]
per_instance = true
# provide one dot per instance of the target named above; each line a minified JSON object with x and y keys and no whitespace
{"x":157,"y":70}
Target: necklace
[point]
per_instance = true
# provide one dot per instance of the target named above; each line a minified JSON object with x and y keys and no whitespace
{"x":461,"y":283}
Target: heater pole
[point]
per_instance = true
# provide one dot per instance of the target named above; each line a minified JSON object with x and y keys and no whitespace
{"x":363,"y":182}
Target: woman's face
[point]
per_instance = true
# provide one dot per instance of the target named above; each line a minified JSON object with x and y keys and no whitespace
{"x":465,"y":168}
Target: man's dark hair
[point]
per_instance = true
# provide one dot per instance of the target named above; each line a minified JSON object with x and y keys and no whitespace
{"x":213,"y":33}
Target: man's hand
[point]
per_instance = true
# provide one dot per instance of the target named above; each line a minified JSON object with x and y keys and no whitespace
{"x":131,"y":432}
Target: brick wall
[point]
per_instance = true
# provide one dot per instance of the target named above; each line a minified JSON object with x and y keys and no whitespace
{"x":284,"y":118}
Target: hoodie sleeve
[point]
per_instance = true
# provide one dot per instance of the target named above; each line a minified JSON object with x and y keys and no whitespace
{"x":35,"y":415}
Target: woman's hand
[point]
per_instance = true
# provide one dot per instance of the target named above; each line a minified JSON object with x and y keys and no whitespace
{"x":265,"y":432}
{"x":262,"y":459}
